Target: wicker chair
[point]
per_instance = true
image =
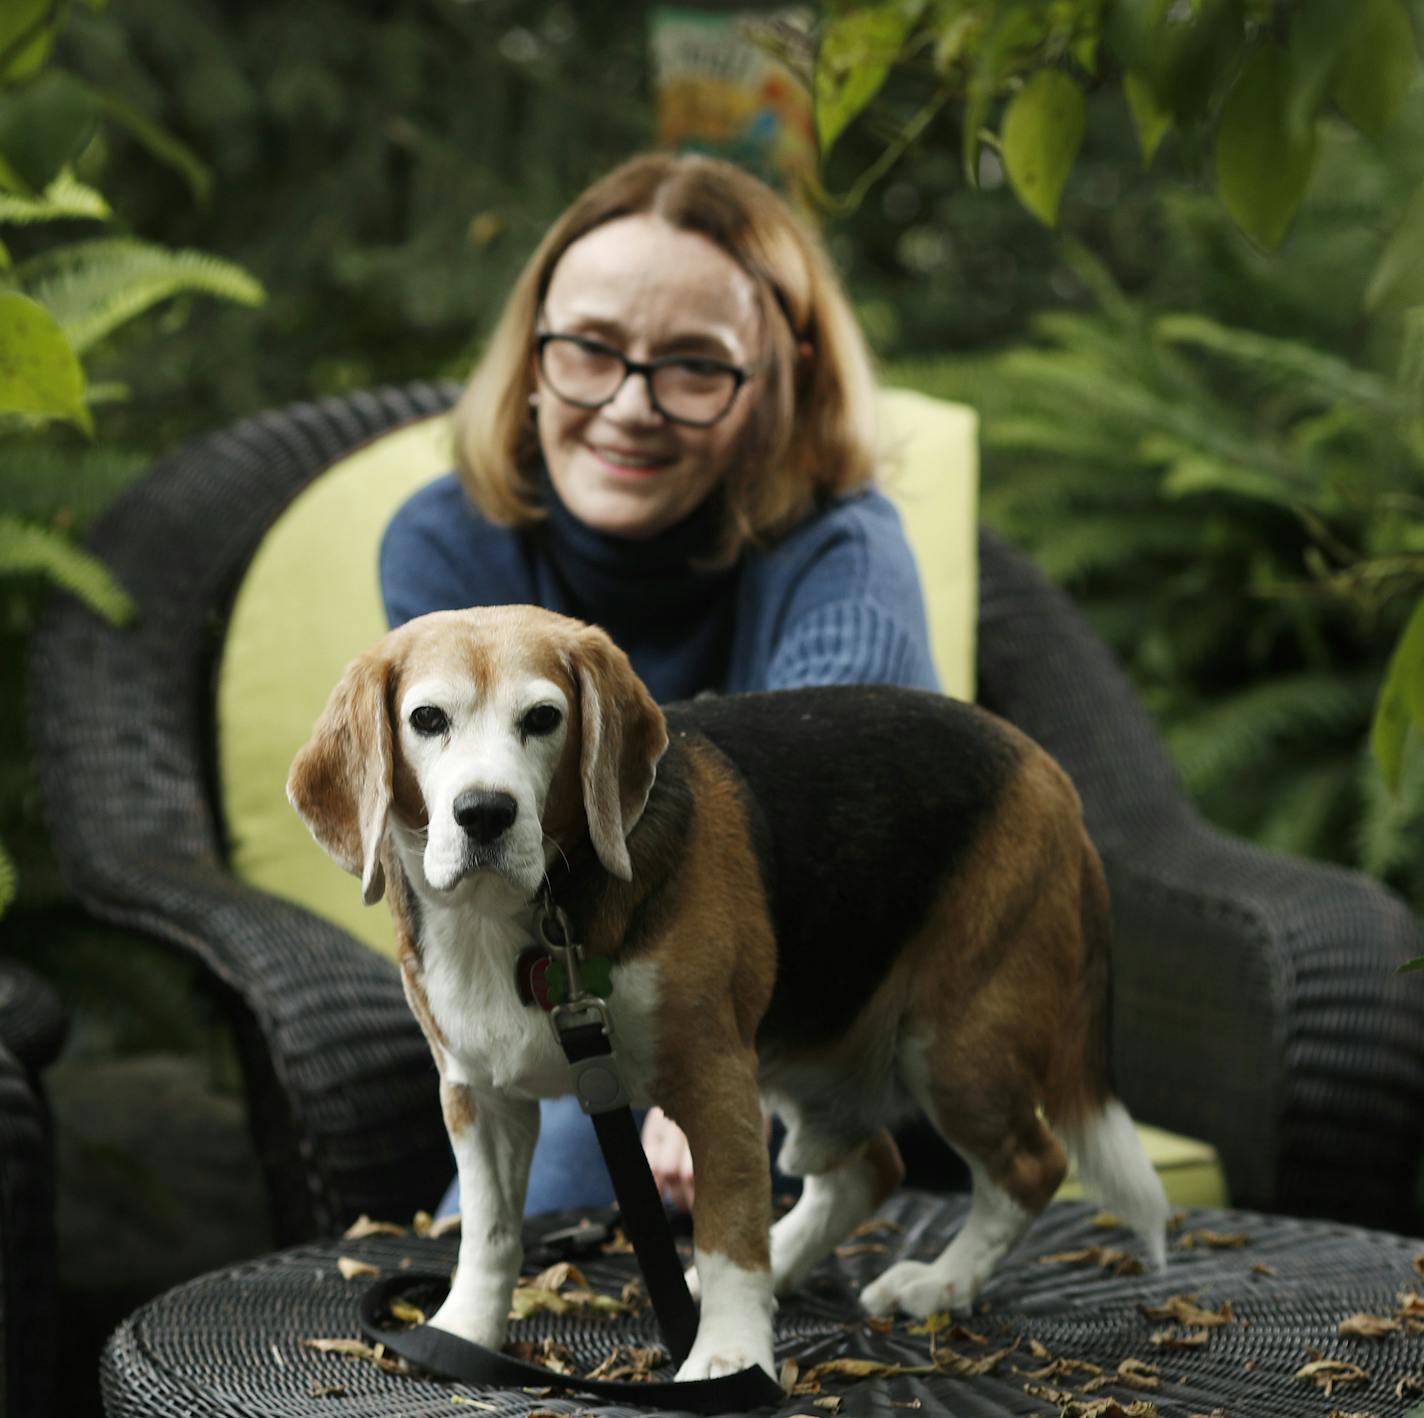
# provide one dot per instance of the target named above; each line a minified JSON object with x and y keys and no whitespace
{"x":32,"y":1030}
{"x":1256,"y":1004}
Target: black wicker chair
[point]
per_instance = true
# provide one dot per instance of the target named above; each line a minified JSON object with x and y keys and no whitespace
{"x":32,"y":1030}
{"x":1257,"y":1006}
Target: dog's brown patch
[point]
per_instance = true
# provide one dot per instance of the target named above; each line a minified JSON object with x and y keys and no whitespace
{"x":1007,"y":986}
{"x":457,"y":1105}
{"x":718,"y":965}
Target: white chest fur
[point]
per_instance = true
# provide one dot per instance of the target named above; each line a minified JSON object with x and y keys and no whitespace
{"x":496,"y":1041}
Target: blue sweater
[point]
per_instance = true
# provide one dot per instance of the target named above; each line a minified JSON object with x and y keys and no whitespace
{"x":836,"y":601}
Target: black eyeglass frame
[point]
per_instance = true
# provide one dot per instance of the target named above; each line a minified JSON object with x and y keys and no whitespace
{"x":647,"y":368}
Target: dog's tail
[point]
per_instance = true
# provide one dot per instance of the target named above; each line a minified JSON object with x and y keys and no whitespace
{"x":1093,"y":1125}
{"x":1114,"y":1169}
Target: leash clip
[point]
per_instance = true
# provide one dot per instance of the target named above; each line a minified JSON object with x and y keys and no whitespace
{"x":598,"y":1081}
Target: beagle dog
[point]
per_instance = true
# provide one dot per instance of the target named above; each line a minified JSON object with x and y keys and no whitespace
{"x":844,"y":903}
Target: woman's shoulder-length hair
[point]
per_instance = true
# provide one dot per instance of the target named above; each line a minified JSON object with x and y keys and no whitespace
{"x":812,"y":432}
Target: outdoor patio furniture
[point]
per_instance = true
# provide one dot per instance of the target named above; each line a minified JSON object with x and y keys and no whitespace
{"x":1256,"y":1004}
{"x":1059,"y":1322}
{"x":32,"y":1030}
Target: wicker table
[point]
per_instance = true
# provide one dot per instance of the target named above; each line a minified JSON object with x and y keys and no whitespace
{"x":231,"y":1343}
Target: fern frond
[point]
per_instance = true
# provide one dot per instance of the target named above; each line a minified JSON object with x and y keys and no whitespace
{"x":1106,"y":541}
{"x":92,"y":287}
{"x":50,"y":483}
{"x":1277,"y":360}
{"x":9,"y":880}
{"x":1304,"y":815}
{"x":1387,"y":835}
{"x":65,"y":199}
{"x":1235,"y":734}
{"x":27,"y":549}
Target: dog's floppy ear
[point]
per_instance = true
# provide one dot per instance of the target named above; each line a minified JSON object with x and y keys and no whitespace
{"x":624,"y":735}
{"x":341,"y":780}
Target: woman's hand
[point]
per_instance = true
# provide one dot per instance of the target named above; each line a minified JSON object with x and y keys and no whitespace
{"x":670,"y":1158}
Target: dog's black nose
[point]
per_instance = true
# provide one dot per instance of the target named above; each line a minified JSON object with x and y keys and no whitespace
{"x":484,"y":814}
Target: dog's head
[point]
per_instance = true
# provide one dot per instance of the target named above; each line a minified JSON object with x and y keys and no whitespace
{"x":494,"y":735}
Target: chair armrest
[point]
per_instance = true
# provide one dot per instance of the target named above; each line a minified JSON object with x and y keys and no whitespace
{"x":1256,"y":1004}
{"x":28,"y":1263}
{"x":342,"y":1090}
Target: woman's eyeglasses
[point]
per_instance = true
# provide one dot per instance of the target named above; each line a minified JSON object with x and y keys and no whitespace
{"x":688,"y":389}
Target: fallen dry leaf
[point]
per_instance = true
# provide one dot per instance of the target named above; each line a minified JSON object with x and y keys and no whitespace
{"x":1419,"y":1265}
{"x":444,"y":1226}
{"x":1409,"y":1385}
{"x":1172,"y":1338}
{"x":960,"y":1366}
{"x":548,"y":1353}
{"x":879,"y":1324}
{"x":1185,"y":1310}
{"x":630,"y":1364}
{"x":327,"y":1391}
{"x":1329,"y":1374}
{"x":1368,"y":1326}
{"x":876,"y":1226}
{"x":810,"y":1381}
{"x":831,"y":1403}
{"x":1115,"y":1261}
{"x":359,"y":1349}
{"x":351,"y":1268}
{"x":1131,"y":1373}
{"x":1064,"y":1368}
{"x":617,"y":1244}
{"x":790,"y":1372}
{"x":1213,"y":1240}
{"x":1261,"y":1268}
{"x":865,"y":1248}
{"x":405,"y":1312}
{"x":421,"y":1223}
{"x":1038,"y":1350}
{"x":363,"y":1226}
{"x":1340,"y":1413}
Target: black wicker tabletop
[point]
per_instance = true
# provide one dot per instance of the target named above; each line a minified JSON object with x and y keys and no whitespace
{"x":1245,"y":1322}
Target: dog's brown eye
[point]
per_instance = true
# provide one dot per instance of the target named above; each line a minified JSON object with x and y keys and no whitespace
{"x":427,"y":719}
{"x":540,"y":720}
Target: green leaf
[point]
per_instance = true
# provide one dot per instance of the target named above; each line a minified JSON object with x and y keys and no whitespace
{"x":1416,"y":964}
{"x":27,"y":33}
{"x":1379,"y":63}
{"x":45,"y":125}
{"x":26,"y":548}
{"x":855,"y":55}
{"x":1400,"y":705}
{"x":9,"y":880}
{"x":1318,"y":34}
{"x":40,"y":374}
{"x":1149,"y":117}
{"x":1042,"y":131}
{"x":1398,"y":278}
{"x":63,"y":200}
{"x":92,"y":287}
{"x":1261,"y":172}
{"x":161,"y":143}
{"x":1017,"y":28}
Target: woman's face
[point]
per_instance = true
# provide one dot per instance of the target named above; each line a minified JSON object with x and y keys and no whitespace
{"x":648,"y":290}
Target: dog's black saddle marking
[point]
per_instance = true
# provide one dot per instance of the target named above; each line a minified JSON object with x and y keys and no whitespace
{"x":869,"y":798}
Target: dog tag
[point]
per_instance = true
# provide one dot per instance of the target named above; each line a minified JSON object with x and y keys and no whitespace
{"x":531,"y":976}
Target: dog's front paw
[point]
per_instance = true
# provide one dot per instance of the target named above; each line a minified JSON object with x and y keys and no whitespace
{"x":728,"y":1353}
{"x":914,"y":1288}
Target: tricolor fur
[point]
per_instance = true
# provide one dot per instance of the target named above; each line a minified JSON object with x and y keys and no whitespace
{"x":844,"y":903}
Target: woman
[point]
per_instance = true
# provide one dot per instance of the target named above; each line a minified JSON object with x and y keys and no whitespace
{"x":671,"y":434}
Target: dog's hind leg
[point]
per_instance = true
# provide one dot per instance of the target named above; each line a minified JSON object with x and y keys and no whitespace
{"x":1016,"y":1165}
{"x":832,"y":1203}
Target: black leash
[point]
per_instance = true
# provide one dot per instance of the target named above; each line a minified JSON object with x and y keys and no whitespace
{"x":584,"y":1030}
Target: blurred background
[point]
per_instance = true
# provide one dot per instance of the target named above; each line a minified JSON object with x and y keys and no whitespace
{"x":1202,"y":416}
